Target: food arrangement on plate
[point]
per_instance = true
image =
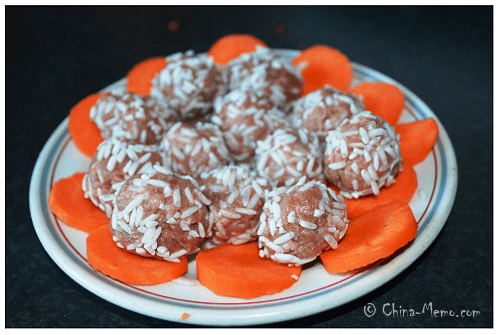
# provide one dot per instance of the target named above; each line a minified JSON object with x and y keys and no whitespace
{"x":254,"y":164}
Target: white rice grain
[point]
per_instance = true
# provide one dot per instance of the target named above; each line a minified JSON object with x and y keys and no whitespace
{"x":189,"y":195}
{"x":177,"y":198}
{"x":133,"y":204}
{"x":189,"y":211}
{"x":284,"y":238}
{"x":307,"y":224}
{"x":337,"y":165}
{"x":247,"y":211}
{"x":330,"y":239}
{"x":158,"y":183}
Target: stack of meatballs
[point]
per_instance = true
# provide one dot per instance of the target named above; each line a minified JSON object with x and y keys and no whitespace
{"x":232,"y":155}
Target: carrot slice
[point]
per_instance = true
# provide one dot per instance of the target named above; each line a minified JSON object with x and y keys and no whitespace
{"x":325,"y":65}
{"x":239,"y":271}
{"x":184,"y":316}
{"x":382,"y":99}
{"x":104,"y":256}
{"x":405,"y":186}
{"x":82,"y":129}
{"x":375,"y":235}
{"x":140,"y":76}
{"x":67,"y":201}
{"x":417,"y":139}
{"x":232,"y":46}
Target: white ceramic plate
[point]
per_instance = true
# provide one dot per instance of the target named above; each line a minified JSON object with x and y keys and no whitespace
{"x":315,"y":291}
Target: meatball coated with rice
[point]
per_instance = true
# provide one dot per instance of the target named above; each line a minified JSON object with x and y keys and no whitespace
{"x":362,"y":155}
{"x":194,"y":149}
{"x":114,"y":162}
{"x":299,"y":222}
{"x":246,"y":117}
{"x":189,"y":84}
{"x":229,"y":108}
{"x":289,"y":155}
{"x":243,"y":136}
{"x":324,"y":110}
{"x":132,"y":117}
{"x":265,"y":68}
{"x":243,"y":100}
{"x":161,"y":215}
{"x":237,"y":195}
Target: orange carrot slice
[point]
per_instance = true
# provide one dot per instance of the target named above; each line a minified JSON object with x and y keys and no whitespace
{"x":104,"y":256}
{"x":325,"y":65}
{"x":82,"y":129}
{"x":232,"y":46}
{"x":417,"y":139}
{"x":140,"y":76}
{"x":238,"y":271}
{"x":373,"y":236}
{"x":403,"y":189}
{"x":67,"y":201}
{"x":382,"y":99}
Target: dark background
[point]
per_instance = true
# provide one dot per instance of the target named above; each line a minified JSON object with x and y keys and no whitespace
{"x":56,"y":56}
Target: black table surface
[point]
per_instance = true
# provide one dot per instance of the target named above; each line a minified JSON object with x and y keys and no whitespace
{"x":56,"y":56}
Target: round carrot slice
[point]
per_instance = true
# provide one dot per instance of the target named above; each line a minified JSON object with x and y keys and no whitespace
{"x":232,"y":46}
{"x":375,"y":235}
{"x":324,"y":65}
{"x":82,"y":129}
{"x":67,"y":201}
{"x":140,"y":76}
{"x":382,"y":99}
{"x":104,"y":256}
{"x":239,"y":271}
{"x":417,"y":139}
{"x":403,"y":189}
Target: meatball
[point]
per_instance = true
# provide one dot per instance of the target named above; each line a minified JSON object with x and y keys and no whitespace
{"x":159,"y":214}
{"x":243,"y":135}
{"x":246,"y":117}
{"x":113,"y":163}
{"x":362,"y":155}
{"x":132,"y":117}
{"x":194,"y":149}
{"x":237,"y":195}
{"x":265,"y":68}
{"x":299,"y":222}
{"x":288,"y":155}
{"x":324,"y":110}
{"x":243,"y":98}
{"x":189,"y":84}
{"x":239,"y":102}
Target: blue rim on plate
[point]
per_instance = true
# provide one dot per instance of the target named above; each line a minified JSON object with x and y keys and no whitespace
{"x":54,"y":236}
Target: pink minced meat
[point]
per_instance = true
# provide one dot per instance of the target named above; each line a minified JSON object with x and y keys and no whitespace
{"x":289,"y":155}
{"x":265,"y":68}
{"x":245,"y":117}
{"x":299,"y":222}
{"x":159,"y":214}
{"x":189,"y":84}
{"x":237,"y":195}
{"x":132,"y":117}
{"x":362,"y":155}
{"x":113,"y":163}
{"x":323,"y":110}
{"x":194,"y":149}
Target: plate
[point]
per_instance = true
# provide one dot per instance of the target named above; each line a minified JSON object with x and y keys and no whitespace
{"x":185,"y":300}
